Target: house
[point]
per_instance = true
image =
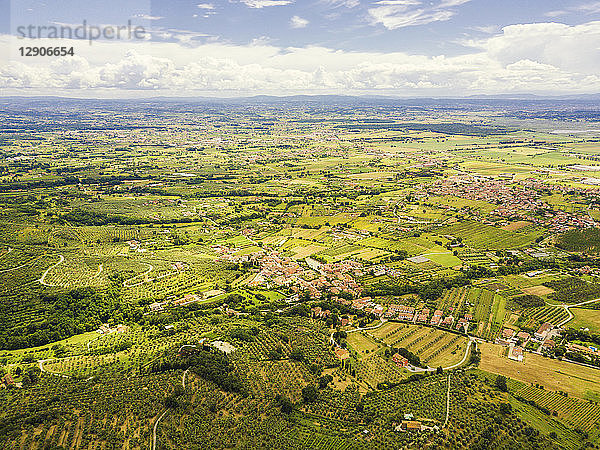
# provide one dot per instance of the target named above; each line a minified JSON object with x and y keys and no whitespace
{"x":344,"y":322}
{"x":448,"y":321}
{"x":8,"y":380}
{"x":507,"y":333}
{"x":423,"y":315}
{"x":437,"y":317}
{"x":523,"y":335}
{"x":462,"y":324}
{"x":411,"y":425}
{"x":543,"y":331}
{"x":342,"y":353}
{"x":400,"y":360}
{"x":186,"y":300}
{"x":549,"y":344}
{"x":516,"y":353}
{"x":157,"y":306}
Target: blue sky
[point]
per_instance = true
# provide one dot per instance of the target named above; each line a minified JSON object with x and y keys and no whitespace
{"x":245,"y":47}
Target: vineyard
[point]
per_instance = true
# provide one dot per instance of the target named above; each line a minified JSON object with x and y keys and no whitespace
{"x":550,"y":314}
{"x":435,"y":347}
{"x":481,"y":236}
{"x":576,"y":412}
{"x":488,"y":309}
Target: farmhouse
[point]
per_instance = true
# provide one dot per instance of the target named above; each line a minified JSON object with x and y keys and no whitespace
{"x":8,"y":380}
{"x":543,"y":331}
{"x":523,"y":335}
{"x":400,"y":360}
{"x":515,"y":353}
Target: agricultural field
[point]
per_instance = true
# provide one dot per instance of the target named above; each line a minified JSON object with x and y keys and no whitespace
{"x":236,"y":275}
{"x":433,"y":346}
{"x":585,"y":318}
{"x":554,"y":375}
{"x":577,"y":413}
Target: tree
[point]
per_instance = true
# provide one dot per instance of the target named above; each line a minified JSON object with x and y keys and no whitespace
{"x":505,"y":408}
{"x":297,"y":354}
{"x":439,"y":370}
{"x":309,"y":394}
{"x":501,"y":383}
{"x":324,"y":381}
{"x":171,"y":402}
{"x":285,"y":404}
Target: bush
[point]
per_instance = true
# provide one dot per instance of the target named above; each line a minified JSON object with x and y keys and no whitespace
{"x":309,"y":394}
{"x":501,"y":383}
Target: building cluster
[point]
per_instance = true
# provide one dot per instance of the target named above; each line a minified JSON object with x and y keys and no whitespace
{"x":277,"y":270}
{"x":521,"y":201}
{"x":517,"y":341}
{"x":107,"y":329}
{"x":412,"y":314}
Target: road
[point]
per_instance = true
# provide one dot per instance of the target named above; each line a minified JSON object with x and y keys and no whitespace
{"x":144,"y":274}
{"x":41,"y":366}
{"x":568,"y":307}
{"x":56,"y":374}
{"x":43,"y":277}
{"x":100,"y":269}
{"x":453,"y":366}
{"x":332,"y":341}
{"x":156,"y":427}
{"x":448,"y":403}
{"x":165,"y":412}
{"x":183,"y":377}
{"x":92,"y":340}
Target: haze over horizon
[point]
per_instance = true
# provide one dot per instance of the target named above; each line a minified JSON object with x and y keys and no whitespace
{"x":236,"y":48}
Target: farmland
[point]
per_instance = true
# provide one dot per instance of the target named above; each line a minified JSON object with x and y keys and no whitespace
{"x":554,"y":375}
{"x":295,"y":275}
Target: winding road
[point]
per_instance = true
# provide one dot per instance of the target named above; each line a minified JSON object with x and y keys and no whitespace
{"x":166,"y":410}
{"x":56,"y":374}
{"x":144,"y":274}
{"x":568,"y":307}
{"x":155,"y":428}
{"x":43,"y":277}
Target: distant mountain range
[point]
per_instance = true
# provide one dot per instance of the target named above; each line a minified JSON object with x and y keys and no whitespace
{"x":326,"y":99}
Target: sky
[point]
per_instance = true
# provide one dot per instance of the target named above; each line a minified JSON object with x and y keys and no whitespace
{"x":225,"y":48}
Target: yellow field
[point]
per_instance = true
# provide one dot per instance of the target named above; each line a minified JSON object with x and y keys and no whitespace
{"x":514,"y":226}
{"x":538,"y":290}
{"x":555,"y":375}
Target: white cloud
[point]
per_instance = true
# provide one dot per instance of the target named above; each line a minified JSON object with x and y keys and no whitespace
{"x":537,"y":58}
{"x":341,"y":3}
{"x":298,"y":22}
{"x":584,"y":8}
{"x":147,"y":17}
{"x":394,"y":14}
{"x":266,"y":3}
{"x":207,"y":6}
